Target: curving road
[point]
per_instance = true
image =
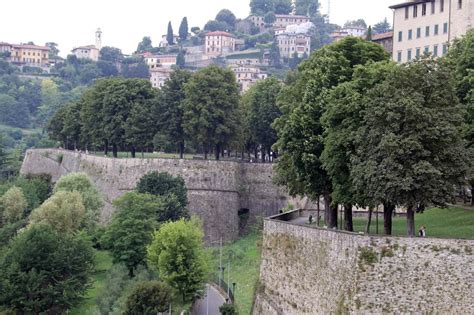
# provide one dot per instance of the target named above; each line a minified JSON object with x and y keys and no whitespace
{"x":210,"y":303}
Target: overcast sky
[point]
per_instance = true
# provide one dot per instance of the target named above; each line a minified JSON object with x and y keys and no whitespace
{"x":124,"y":23}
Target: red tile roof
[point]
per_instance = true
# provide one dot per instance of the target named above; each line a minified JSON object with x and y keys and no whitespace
{"x":26,"y":46}
{"x":382,"y":36}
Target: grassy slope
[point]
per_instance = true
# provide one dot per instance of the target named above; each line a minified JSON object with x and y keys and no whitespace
{"x":103,"y":263}
{"x":245,"y":268}
{"x":446,"y":223}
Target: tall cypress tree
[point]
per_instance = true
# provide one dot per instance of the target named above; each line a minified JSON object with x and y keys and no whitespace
{"x":183,"y":29}
{"x":169,"y":36}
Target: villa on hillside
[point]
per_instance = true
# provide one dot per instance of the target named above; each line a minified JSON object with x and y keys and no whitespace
{"x":219,"y":43}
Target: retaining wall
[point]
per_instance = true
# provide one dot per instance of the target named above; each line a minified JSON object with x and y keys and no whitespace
{"x":309,"y":270}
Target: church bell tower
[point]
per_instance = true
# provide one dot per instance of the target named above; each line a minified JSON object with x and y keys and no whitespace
{"x":98,"y":39}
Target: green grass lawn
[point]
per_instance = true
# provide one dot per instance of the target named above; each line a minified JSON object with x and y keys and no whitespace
{"x":244,"y":256}
{"x":454,"y":222}
{"x":103,"y":263}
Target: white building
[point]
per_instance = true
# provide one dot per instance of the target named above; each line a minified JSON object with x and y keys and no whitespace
{"x":348,"y":31}
{"x":283,"y":20}
{"x":219,"y":43}
{"x":247,"y":76}
{"x":156,"y":61}
{"x":164,"y":40}
{"x":291,"y":43}
{"x":158,"y":76}
{"x":428,"y":26}
{"x":91,"y":52}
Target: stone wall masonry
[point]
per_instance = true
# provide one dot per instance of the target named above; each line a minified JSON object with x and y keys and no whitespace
{"x":309,"y":270}
{"x":216,"y":189}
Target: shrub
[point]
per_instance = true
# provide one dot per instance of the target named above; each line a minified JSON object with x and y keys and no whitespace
{"x":228,"y":309}
{"x":149,"y":298}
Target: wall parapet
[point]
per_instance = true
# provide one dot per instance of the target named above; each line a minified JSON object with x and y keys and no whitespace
{"x":311,"y":270}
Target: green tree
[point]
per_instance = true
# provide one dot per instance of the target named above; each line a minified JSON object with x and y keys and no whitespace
{"x":13,"y":113}
{"x":44,"y":271}
{"x":307,"y":7}
{"x":131,"y":229}
{"x":177,"y":251}
{"x":145,"y":45}
{"x":64,"y":212}
{"x":180,"y":59}
{"x":227,"y":17}
{"x":13,"y":204}
{"x":382,"y":27}
{"x":170,"y":35}
{"x":149,"y":298}
{"x":283,"y":6}
{"x":171,"y":109}
{"x":163,"y":184}
{"x":183,"y":29}
{"x":356,"y":23}
{"x":261,"y":7}
{"x":212,"y":26}
{"x":263,"y":110}
{"x":300,"y":130}
{"x":343,"y":115}
{"x":228,"y":309}
{"x":91,"y":198}
{"x":112,"y":54}
{"x":270,"y":18}
{"x":410,"y":150}
{"x":140,"y":126}
{"x":212,"y":97}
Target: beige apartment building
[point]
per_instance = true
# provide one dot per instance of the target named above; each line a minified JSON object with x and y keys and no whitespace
{"x":428,"y":26}
{"x":219,"y":43}
{"x":291,"y":43}
{"x":247,"y":76}
{"x":158,"y":76}
{"x":156,"y":61}
{"x":285,"y":20}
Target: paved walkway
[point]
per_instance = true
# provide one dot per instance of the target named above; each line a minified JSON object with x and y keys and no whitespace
{"x":209,"y":304}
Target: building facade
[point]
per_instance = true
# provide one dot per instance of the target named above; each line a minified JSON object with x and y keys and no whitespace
{"x":91,"y":52}
{"x":385,"y":40}
{"x":348,"y":31}
{"x":428,"y":26}
{"x":219,"y":43}
{"x":158,"y":76}
{"x":29,"y":55}
{"x":283,"y":20}
{"x":247,"y":76}
{"x":156,"y":61}
{"x":291,"y":43}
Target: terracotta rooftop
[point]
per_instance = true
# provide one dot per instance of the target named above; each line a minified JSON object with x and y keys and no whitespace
{"x":408,"y":3}
{"x":382,"y":36}
{"x":85,"y":47}
{"x":291,"y":16}
{"x":26,"y":46}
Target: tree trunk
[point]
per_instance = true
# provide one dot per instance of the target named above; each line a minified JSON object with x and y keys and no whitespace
{"x":106,"y":147}
{"x":256,"y":155}
{"x":143,"y":153}
{"x":410,"y":221}
{"x":181,"y":150}
{"x":262,"y":152}
{"x":387,"y":218}
{"x":114,"y":150}
{"x":327,"y":206}
{"x":369,"y":220}
{"x":218,"y":152}
{"x":318,"y":207}
{"x":348,"y":224}
{"x":133,"y":152}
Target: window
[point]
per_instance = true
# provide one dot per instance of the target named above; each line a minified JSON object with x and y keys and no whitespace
{"x":400,"y":36}
{"x":407,"y":12}
{"x":399,"y":56}
{"x":445,"y":49}
{"x":435,"y":50}
{"x":423,"y":9}
{"x":415,"y":11}
{"x":445,"y":28}
{"x":427,"y":50}
{"x":418,"y":32}
{"x":427,"y":31}
{"x":441,"y":6}
{"x":409,"y":54}
{"x":459,"y":4}
{"x":418,"y":53}
{"x":433,"y":7}
{"x":436,"y":29}
{"x":410,"y":34}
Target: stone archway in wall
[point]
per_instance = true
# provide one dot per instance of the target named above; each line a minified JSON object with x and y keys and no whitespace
{"x":244,"y":221}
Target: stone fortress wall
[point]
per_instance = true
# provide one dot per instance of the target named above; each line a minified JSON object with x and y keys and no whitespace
{"x":308,"y":270}
{"x":217,"y":190}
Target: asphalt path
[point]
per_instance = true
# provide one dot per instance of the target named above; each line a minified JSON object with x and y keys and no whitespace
{"x":210,"y":303}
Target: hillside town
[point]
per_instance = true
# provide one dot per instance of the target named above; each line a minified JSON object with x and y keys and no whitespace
{"x":271,"y":162}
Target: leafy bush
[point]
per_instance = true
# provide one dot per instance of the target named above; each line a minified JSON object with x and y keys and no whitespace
{"x":228,"y":309}
{"x":162,"y":184}
{"x":149,"y":298}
